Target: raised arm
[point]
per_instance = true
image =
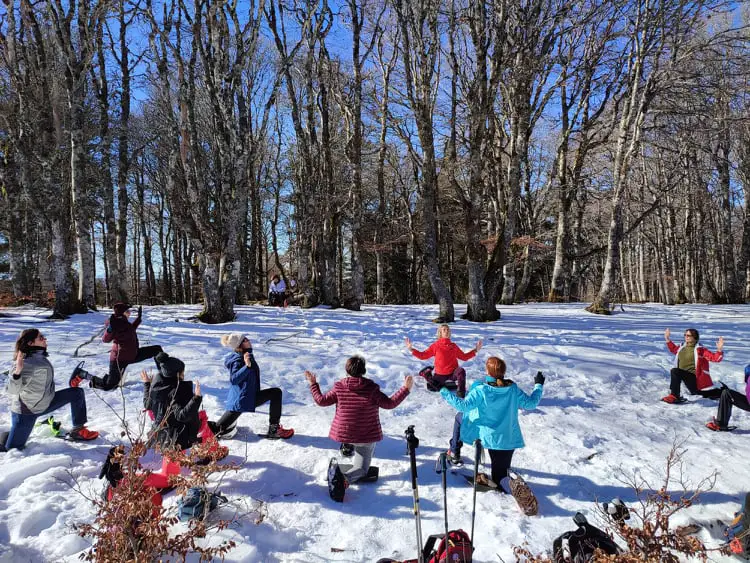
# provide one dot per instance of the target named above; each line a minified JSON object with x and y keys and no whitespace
{"x":320,"y":399}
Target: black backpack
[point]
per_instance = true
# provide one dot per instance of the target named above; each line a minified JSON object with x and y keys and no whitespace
{"x":578,"y":546}
{"x":197,"y":503}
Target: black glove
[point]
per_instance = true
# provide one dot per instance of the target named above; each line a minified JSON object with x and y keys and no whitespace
{"x":539,"y":378}
{"x":140,"y":311}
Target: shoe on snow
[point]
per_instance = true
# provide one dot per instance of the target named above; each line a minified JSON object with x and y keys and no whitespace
{"x":347,"y":450}
{"x":713,"y":425}
{"x":227,"y":434}
{"x":82,"y":434}
{"x":454,"y":458}
{"x":77,"y":376}
{"x":277,"y":431}
{"x":674,"y":399}
{"x":426,"y":372}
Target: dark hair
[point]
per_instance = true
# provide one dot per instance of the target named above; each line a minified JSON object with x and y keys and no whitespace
{"x":694,"y":332}
{"x":23,"y":344}
{"x":355,"y":366}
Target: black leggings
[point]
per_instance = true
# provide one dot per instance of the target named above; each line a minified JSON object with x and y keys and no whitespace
{"x":679,"y":376}
{"x":500,"y":464}
{"x":117,"y":369}
{"x":229,"y":418}
{"x":729,"y":398}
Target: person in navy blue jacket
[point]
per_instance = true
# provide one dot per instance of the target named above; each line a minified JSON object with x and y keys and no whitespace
{"x":245,"y":393}
{"x":490,"y":413}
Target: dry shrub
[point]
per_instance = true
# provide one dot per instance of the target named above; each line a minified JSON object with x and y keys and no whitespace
{"x":651,"y":537}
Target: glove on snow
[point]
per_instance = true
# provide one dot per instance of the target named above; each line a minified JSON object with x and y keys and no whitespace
{"x":539,"y":378}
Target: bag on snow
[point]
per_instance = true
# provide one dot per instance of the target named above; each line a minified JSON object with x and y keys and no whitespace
{"x":456,"y":548}
{"x":197,"y":503}
{"x":738,"y":532}
{"x":578,"y":546}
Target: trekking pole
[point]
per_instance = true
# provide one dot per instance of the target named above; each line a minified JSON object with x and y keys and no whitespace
{"x":477,"y":459}
{"x":442,"y":468}
{"x":412,"y":443}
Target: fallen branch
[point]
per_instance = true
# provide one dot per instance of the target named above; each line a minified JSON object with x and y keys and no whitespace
{"x":89,"y":341}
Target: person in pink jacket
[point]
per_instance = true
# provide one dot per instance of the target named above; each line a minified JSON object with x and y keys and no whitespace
{"x":691,"y":367}
{"x":358,"y":401}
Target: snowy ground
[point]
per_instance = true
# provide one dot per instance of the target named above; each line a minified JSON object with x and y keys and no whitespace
{"x":599,"y":421}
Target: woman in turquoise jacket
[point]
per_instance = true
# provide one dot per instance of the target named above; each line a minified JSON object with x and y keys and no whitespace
{"x":490,"y":413}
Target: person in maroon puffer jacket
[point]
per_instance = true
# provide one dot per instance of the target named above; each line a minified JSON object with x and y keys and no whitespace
{"x":125,"y":350}
{"x":357,"y":421}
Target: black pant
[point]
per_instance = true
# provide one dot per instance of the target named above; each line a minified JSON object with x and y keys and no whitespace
{"x":729,"y":398}
{"x":276,"y":299}
{"x":679,"y":376}
{"x":116,"y":369}
{"x":500,"y":464}
{"x":229,"y":418}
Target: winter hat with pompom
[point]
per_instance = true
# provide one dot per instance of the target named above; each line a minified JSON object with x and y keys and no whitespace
{"x":170,"y":367}
{"x":232,"y":340}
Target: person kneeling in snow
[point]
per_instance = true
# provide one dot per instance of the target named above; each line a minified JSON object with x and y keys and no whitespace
{"x":691,"y":367}
{"x":245,"y":393}
{"x":446,"y":354}
{"x":179,"y":421}
{"x":490,"y":413}
{"x":358,"y":402}
{"x":727,"y":399}
{"x":31,"y":387}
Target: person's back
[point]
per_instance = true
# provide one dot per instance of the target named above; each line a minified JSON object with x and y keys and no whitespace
{"x":358,"y":403}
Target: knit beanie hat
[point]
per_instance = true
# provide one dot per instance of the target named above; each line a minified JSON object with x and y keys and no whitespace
{"x":120,"y":308}
{"x":232,"y":340}
{"x":170,"y":367}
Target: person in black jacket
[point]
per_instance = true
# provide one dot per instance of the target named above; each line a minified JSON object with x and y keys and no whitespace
{"x":174,"y":403}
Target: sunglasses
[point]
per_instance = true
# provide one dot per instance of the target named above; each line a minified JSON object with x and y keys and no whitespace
{"x":42,"y":337}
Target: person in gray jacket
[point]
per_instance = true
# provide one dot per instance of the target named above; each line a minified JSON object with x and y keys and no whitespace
{"x":31,"y":388}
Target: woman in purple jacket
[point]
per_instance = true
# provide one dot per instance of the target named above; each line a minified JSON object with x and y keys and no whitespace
{"x":357,"y":421}
{"x":728,"y":399}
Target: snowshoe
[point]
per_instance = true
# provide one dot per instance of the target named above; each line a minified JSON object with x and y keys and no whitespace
{"x":716,"y":427}
{"x":78,"y":376}
{"x":55,"y":426}
{"x":82,"y":434}
{"x":523,"y":494}
{"x":674,"y":400}
{"x":454,"y":458}
{"x":337,"y":483}
{"x":276,"y":431}
{"x":372,"y":473}
{"x":484,"y":483}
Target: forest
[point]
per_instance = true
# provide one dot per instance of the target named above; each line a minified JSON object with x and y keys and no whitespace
{"x":375,"y":151}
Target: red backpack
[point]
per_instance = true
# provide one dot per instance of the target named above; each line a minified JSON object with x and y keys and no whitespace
{"x":456,"y":548}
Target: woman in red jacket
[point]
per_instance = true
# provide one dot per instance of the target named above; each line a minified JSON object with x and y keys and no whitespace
{"x":691,"y":367}
{"x":446,"y":355}
{"x":357,"y":420}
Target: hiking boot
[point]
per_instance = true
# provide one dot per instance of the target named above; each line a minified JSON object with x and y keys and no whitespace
{"x":276,"y":431}
{"x":347,"y":450}
{"x":673,"y":399}
{"x":82,"y":434}
{"x":79,"y":375}
{"x":454,"y":458}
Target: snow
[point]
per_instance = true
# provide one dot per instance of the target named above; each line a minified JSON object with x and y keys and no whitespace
{"x":600,"y":420}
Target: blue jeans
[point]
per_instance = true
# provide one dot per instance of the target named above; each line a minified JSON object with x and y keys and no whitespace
{"x":456,"y":442}
{"x":23,"y":424}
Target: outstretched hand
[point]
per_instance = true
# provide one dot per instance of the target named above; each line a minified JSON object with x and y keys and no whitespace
{"x":310,"y":376}
{"x":667,"y":334}
{"x":539,"y":378}
{"x":408,"y":343}
{"x":479,"y":345}
{"x":145,"y":376}
{"x":720,"y":343}
{"x":19,"y":362}
{"x":197,"y":388}
{"x":409,"y":382}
